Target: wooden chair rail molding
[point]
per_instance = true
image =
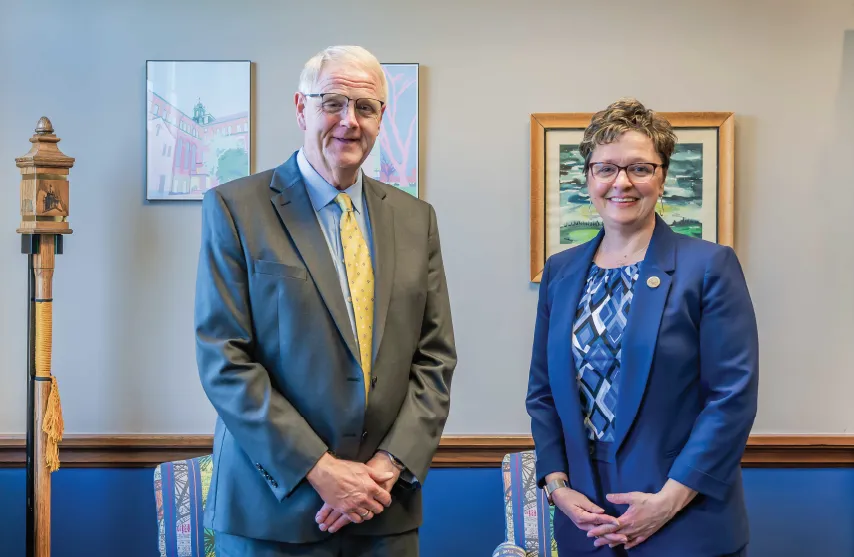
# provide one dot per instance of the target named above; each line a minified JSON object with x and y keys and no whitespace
{"x":455,"y":451}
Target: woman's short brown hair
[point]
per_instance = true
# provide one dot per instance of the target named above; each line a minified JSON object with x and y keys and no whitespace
{"x":625,"y":115}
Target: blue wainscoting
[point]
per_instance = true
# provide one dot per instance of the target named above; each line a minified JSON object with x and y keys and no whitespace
{"x":109,"y":512}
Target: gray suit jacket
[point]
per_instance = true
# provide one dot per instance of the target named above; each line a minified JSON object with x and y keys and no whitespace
{"x":278,"y":361}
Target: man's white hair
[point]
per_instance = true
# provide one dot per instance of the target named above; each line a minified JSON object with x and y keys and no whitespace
{"x":342,"y":54}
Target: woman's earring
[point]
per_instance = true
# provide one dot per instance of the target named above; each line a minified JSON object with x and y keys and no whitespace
{"x":661,"y":202}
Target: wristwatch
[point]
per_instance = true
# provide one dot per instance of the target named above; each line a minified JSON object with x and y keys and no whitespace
{"x":552,"y":486}
{"x":397,"y":463}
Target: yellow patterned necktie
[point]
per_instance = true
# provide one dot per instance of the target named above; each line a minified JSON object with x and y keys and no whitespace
{"x":360,"y":277}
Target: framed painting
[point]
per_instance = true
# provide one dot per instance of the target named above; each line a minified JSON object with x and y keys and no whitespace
{"x":198,"y":126}
{"x":394,"y":158}
{"x":698,"y":192}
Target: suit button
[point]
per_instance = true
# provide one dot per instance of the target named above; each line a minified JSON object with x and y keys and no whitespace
{"x":364,"y":435}
{"x":591,"y":449}
{"x":373,"y":382}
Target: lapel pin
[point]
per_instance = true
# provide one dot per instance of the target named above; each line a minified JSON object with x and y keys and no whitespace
{"x":653,"y":282}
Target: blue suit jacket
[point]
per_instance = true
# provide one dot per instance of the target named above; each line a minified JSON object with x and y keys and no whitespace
{"x":688,"y":396}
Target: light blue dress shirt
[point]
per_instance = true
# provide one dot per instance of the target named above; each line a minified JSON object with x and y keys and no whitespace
{"x":322,"y":195}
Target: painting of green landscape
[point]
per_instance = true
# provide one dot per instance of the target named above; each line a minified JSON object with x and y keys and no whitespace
{"x":683,"y":195}
{"x":579,"y":221}
{"x":683,"y":190}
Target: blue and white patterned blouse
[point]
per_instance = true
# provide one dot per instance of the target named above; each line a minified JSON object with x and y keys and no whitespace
{"x":597,"y":335}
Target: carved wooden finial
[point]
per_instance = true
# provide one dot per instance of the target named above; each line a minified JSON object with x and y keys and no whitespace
{"x":44,"y":184}
{"x":44,"y":126}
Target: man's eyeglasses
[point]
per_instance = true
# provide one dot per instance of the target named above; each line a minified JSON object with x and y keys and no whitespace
{"x":638,"y":173}
{"x":335,"y":103}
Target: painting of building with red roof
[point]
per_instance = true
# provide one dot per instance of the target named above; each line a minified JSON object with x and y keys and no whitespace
{"x":198,"y":122}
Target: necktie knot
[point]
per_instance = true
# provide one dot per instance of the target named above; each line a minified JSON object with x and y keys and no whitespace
{"x":343,"y":200}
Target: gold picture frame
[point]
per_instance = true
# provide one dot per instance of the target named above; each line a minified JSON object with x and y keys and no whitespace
{"x":705,"y":150}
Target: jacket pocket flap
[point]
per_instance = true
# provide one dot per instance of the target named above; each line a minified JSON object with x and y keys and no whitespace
{"x":264,"y":267}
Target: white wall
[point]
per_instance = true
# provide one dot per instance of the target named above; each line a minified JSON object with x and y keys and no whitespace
{"x":123,"y":335}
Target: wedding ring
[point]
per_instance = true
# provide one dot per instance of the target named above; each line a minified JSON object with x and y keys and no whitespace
{"x":364,"y":514}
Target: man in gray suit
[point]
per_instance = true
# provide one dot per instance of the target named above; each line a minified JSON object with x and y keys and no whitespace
{"x":323,"y":337}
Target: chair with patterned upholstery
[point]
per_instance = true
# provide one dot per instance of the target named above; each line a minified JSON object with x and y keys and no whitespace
{"x":180,"y":491}
{"x":527,"y":514}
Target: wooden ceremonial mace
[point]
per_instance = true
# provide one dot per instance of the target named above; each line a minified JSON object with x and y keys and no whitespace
{"x":44,"y":220}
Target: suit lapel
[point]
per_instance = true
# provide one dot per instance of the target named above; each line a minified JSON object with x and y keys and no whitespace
{"x":641,"y":333}
{"x":382,"y":232}
{"x":563,"y":372}
{"x":294,"y":207}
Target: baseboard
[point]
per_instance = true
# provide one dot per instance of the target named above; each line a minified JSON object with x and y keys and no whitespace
{"x":455,"y":451}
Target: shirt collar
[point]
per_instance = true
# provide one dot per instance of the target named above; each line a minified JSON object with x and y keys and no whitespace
{"x":321,"y":192}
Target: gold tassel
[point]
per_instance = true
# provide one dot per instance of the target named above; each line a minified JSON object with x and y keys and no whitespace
{"x":52,"y":423}
{"x":53,"y":426}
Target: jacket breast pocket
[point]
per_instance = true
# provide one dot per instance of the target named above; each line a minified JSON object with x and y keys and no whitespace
{"x":276,"y":269}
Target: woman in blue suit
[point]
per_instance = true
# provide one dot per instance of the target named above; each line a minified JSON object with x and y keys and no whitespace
{"x":644,"y":373}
